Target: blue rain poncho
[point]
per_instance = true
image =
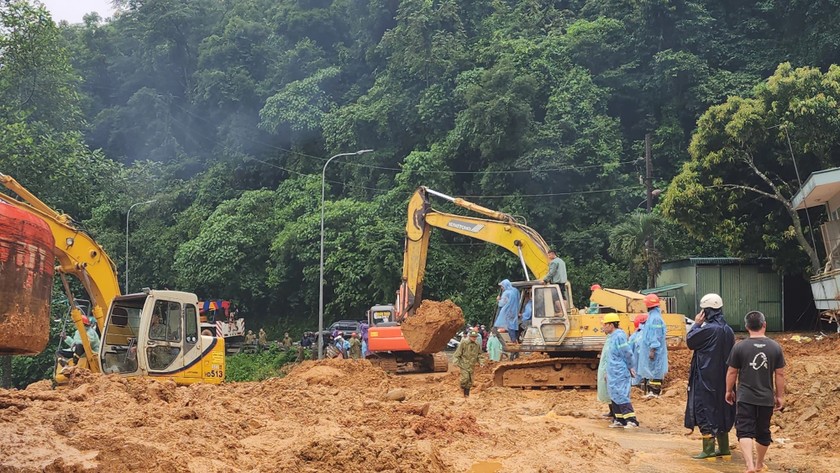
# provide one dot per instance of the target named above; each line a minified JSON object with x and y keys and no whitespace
{"x":603,"y":395}
{"x":494,"y":348}
{"x":527,"y":313}
{"x":619,"y":362}
{"x":653,"y":337}
{"x":508,"y":317}
{"x":93,"y":337}
{"x":635,"y":345}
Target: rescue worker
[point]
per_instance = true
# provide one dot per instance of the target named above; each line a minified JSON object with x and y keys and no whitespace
{"x":262,"y":339}
{"x":635,"y":345}
{"x":653,"y":349}
{"x":158,"y":329}
{"x":593,"y":306}
{"x":603,"y":394}
{"x":619,"y":371}
{"x":250,"y":339}
{"x":363,"y":333}
{"x":75,"y":342}
{"x":287,"y":341}
{"x":354,"y":346}
{"x":556,"y":272}
{"x":341,"y":345}
{"x":712,"y":340}
{"x":508,"y":302}
{"x":527,"y":311}
{"x":466,"y":356}
{"x":494,"y":347}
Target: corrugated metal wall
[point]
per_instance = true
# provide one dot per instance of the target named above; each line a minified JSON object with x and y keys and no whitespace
{"x":743,"y":288}
{"x":680,"y":272}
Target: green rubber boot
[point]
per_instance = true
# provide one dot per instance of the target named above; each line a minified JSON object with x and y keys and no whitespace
{"x":708,"y":452}
{"x":723,"y":446}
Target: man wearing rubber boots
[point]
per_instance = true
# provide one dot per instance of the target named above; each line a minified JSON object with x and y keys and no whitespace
{"x":712,"y":340}
{"x":653,"y":349}
{"x":466,"y":356}
{"x":620,"y":368}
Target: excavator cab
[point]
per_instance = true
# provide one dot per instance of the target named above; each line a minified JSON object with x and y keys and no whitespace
{"x":156,"y":333}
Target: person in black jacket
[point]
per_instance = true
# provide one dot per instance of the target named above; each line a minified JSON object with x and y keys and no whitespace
{"x":706,"y":408}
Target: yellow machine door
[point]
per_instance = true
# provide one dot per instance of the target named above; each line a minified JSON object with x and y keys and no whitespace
{"x":164,"y":348}
{"x":192,"y":346}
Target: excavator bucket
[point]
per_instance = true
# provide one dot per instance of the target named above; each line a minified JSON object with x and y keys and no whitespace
{"x":432,"y":326}
{"x":27,"y":266}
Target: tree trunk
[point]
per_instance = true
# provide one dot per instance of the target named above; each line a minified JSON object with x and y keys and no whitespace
{"x":6,"y":369}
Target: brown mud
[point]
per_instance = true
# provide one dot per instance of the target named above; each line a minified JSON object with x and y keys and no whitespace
{"x":432,"y":326}
{"x":334,"y":415}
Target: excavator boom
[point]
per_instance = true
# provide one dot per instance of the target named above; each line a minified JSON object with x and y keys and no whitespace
{"x":500,"y":229}
{"x":77,"y":253}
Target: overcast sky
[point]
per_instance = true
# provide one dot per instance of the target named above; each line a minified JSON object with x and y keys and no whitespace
{"x":74,"y":10}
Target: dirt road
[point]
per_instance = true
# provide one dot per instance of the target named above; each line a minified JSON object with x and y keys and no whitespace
{"x":333,"y":416}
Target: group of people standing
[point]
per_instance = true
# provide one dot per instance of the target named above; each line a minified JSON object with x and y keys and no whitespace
{"x":729,"y":384}
{"x":641,"y":359}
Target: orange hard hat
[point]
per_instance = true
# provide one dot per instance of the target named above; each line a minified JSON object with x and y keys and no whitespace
{"x":651,"y":301}
{"x":594,"y":287}
{"x":639,"y":320}
{"x":85,"y":319}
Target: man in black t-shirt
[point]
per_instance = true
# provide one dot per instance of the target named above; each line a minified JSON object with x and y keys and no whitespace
{"x":757,"y":363}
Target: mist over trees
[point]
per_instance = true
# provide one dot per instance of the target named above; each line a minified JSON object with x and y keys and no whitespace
{"x":225,"y":112}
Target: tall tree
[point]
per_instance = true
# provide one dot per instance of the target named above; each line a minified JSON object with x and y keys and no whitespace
{"x":743,"y":158}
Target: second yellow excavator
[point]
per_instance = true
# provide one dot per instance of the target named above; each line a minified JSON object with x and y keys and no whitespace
{"x":571,"y":339}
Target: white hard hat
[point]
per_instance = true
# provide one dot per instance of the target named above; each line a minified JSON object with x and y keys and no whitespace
{"x":711,"y":301}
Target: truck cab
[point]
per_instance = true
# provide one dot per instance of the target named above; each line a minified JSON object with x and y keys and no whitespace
{"x":156,"y":333}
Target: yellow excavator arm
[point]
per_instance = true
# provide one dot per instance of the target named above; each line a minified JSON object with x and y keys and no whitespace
{"x":498,"y":228}
{"x":77,"y":253}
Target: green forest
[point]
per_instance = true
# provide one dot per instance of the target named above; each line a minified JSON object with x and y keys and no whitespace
{"x":224,"y":112}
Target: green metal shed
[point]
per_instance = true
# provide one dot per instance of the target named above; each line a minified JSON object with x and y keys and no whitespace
{"x":744,"y":285}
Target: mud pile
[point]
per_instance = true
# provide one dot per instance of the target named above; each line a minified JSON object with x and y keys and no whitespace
{"x":810,"y":415}
{"x":432,"y":326}
{"x":339,"y":416}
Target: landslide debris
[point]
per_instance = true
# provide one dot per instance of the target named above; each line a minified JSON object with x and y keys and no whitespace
{"x":432,"y":326}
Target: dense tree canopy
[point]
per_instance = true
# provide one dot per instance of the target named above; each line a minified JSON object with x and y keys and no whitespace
{"x":224,"y":113}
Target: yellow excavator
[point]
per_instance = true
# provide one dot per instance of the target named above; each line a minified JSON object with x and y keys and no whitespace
{"x":571,"y":339}
{"x":152,"y":333}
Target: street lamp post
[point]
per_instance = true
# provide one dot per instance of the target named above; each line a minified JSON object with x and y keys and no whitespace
{"x":321,"y":279}
{"x":127,"y":215}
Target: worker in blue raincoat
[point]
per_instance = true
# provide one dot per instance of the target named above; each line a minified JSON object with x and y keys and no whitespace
{"x":635,"y":342}
{"x":706,"y":407}
{"x":508,"y":302}
{"x":603,"y":394}
{"x":653,"y":349}
{"x":527,"y":311}
{"x":620,"y":368}
{"x":494,"y":346}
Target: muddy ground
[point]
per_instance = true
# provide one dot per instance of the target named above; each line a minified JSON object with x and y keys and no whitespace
{"x":334,"y":416}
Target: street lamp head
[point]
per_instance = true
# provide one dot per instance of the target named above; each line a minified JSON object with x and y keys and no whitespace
{"x":363,"y":151}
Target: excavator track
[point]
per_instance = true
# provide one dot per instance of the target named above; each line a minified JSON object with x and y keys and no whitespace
{"x":560,"y":373}
{"x":387,"y":363}
{"x":441,"y":362}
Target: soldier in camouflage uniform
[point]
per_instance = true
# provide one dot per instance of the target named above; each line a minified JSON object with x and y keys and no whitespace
{"x":465,"y":358}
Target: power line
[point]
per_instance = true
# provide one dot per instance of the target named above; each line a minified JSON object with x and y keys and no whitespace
{"x":594,"y":191}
